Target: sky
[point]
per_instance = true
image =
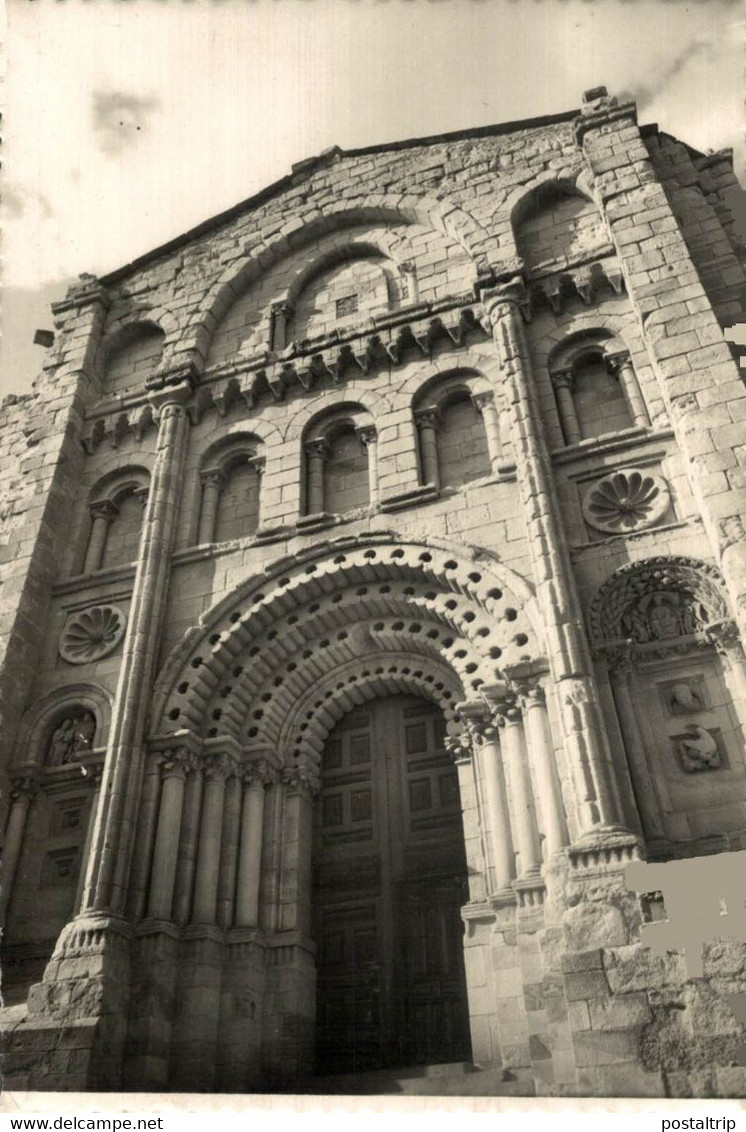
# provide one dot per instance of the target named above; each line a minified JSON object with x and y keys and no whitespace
{"x":130,"y":121}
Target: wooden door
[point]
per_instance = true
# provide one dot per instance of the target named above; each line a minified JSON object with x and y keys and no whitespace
{"x":389,"y":882}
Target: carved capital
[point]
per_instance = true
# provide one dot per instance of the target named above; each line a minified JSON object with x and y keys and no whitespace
{"x":258,"y":463}
{"x":24,"y":787}
{"x":615,"y":363}
{"x":317,"y":448}
{"x":212,"y":477}
{"x":479,"y":720}
{"x":367,"y":434}
{"x":178,"y":763}
{"x":563,"y":379}
{"x":724,"y":636}
{"x":141,"y":495}
{"x":104,"y":509}
{"x":217,"y":768}
{"x":301,"y":777}
{"x":282,"y":310}
{"x":258,"y":773}
{"x":426,"y":418}
{"x":509,"y":295}
{"x":170,"y":400}
{"x":731,"y":531}
{"x":460,"y":747}
{"x":480,"y":401}
{"x":530,"y":692}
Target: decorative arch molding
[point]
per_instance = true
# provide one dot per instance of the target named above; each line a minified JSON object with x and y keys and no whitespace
{"x":357,"y":397}
{"x":574,"y":181}
{"x":351,"y":252}
{"x":440,"y":215}
{"x":443,"y":385}
{"x":584,"y":325}
{"x":464,"y":611}
{"x":346,"y":413}
{"x":231,"y":448}
{"x":38,"y":722}
{"x":617,"y":614}
{"x":126,"y":333}
{"x":314,"y":715}
{"x":120,"y":482}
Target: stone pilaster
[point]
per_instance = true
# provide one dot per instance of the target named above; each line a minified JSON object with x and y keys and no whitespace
{"x":585,"y":743}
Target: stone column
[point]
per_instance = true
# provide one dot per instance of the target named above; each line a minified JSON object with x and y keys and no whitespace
{"x":187,"y":862}
{"x":102,"y":516}
{"x":513,"y":743}
{"x":95,"y":783}
{"x":484,"y":403}
{"x":165,"y":856}
{"x":217,"y":771}
{"x":23,"y":790}
{"x":539,"y":743}
{"x":563,"y":391}
{"x":149,"y":803}
{"x":250,"y":847}
{"x":569,"y":658}
{"x":620,"y":366}
{"x":212,"y":480}
{"x":369,"y":439}
{"x":229,"y":852}
{"x":280,"y":316}
{"x":485,"y":734}
{"x":300,"y":787}
{"x":111,"y":849}
{"x":315,"y":455}
{"x":427,"y":426}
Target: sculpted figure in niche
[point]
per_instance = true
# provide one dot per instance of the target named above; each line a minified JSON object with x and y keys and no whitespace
{"x":71,"y":738}
{"x":659,"y":616}
{"x":685,"y":699}
{"x":698,"y":750}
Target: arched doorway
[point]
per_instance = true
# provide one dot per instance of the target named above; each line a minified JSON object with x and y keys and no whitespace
{"x":389,"y":880}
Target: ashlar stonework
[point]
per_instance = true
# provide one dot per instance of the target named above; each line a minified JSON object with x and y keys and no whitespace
{"x":373,"y":595}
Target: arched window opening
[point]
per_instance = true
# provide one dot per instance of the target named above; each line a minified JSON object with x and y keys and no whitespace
{"x":463,"y":453}
{"x":338,"y":298}
{"x":458,"y":431}
{"x":231,"y":489}
{"x":116,"y":514}
{"x":346,"y":481}
{"x":596,"y":390}
{"x":600,"y":403}
{"x":558,"y":224}
{"x":48,"y":831}
{"x":238,"y":507}
{"x":134,"y":358}
{"x":123,"y":537}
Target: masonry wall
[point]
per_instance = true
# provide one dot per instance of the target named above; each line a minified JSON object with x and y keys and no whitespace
{"x":258,"y":313}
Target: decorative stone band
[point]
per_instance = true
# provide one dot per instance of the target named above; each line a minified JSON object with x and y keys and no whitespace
{"x":92,"y":634}
{"x":629,"y":499}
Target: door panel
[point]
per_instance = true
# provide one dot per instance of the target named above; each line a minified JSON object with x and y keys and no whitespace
{"x":389,"y":882}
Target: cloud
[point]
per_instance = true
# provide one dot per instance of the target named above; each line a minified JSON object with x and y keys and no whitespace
{"x":644,"y":93}
{"x":119,"y":118}
{"x":18,"y":201}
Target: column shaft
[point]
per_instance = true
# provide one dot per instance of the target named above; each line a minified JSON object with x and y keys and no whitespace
{"x":228,"y":861}
{"x":485,"y":404}
{"x":138,"y":895}
{"x":102,"y":517}
{"x":187,"y":864}
{"x":539,"y":742}
{"x":210,"y":839}
{"x":250,"y":856}
{"x":167,"y":843}
{"x":427,"y":427}
{"x":496,"y":798}
{"x":13,"y":844}
{"x":649,"y":805}
{"x":88,"y":838}
{"x":315,"y":452}
{"x":516,"y":757}
{"x":113,"y":837}
{"x":566,"y":408}
{"x":211,"y":487}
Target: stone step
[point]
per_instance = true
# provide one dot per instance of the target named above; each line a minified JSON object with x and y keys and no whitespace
{"x":450,"y":1079}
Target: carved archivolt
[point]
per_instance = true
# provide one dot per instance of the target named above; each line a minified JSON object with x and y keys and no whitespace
{"x":658,"y":599}
{"x":390,"y":616}
{"x":626,"y":500}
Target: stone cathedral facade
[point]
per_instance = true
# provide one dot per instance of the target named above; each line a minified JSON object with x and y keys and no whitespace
{"x":374,"y":562}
